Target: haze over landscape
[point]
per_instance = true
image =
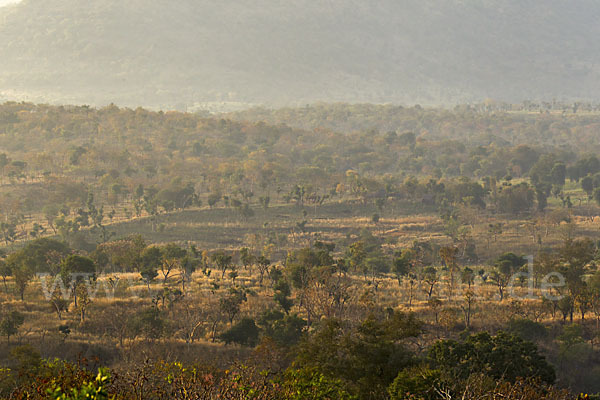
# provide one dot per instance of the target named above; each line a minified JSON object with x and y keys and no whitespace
{"x":299,"y":199}
{"x":177,"y":53}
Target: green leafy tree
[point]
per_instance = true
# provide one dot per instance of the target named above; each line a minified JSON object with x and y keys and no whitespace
{"x":148,"y":323}
{"x":10,"y":324}
{"x":402,"y":264}
{"x":92,"y":390}
{"x":77,"y":271}
{"x":587,"y":184}
{"x":22,"y":275}
{"x":366,"y":358}
{"x":5,"y":271}
{"x":503,"y":356}
{"x":416,"y":382}
{"x":309,"y":383}
{"x":284,"y":329}
{"x":596,"y":195}
{"x":527,"y":329}
{"x":282,"y":292}
{"x":515,"y":199}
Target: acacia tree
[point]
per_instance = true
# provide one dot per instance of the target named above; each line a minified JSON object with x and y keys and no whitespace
{"x":262,"y":263}
{"x":505,"y":266}
{"x":467,"y":307}
{"x":431,"y":278}
{"x":448,"y":256}
{"x":222,"y":260}
{"x":247,"y":258}
{"x":171,"y":259}
{"x":189,"y":264}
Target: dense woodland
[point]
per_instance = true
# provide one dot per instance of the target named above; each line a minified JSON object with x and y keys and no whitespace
{"x":332,"y":251}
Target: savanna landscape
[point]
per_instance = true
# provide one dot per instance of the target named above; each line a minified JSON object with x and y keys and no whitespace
{"x":299,"y":200}
{"x":397,"y":253}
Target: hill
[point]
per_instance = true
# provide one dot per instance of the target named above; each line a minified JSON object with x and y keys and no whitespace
{"x":176,"y":54}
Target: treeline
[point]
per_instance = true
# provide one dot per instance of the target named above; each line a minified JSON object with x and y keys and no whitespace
{"x":135,"y":162}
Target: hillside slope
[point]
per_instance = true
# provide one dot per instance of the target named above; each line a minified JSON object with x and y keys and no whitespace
{"x":165,"y":53}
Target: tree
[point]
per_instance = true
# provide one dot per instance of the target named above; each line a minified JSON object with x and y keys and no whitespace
{"x":148,"y":323}
{"x":416,"y":381}
{"x":5,"y":271}
{"x":596,"y":195}
{"x":22,"y":275}
{"x":222,"y":260}
{"x":558,"y":173}
{"x":402,"y":264}
{"x":8,"y":229}
{"x":309,"y":383}
{"x":245,"y":333}
{"x":231,"y":303}
{"x":77,"y":270}
{"x":527,"y":329}
{"x":430,"y":277}
{"x":10,"y":324}
{"x":587,"y":184}
{"x":246,"y":257}
{"x":503,"y":356}
{"x":82,"y":305}
{"x":575,"y":255}
{"x":189,"y":264}
{"x":448,"y":256}
{"x":303,"y":266}
{"x":262,"y":263}
{"x":515,"y":199}
{"x":89,"y":390}
{"x":284,"y":329}
{"x":367,"y":357}
{"x":468,"y":276}
{"x":505,"y":266}
{"x":264,"y":201}
{"x":148,"y":275}
{"x":467,"y":307}
{"x":282,"y":292}
{"x":213,"y":199}
{"x":542,"y":191}
{"x":41,"y":255}
{"x":172,"y":255}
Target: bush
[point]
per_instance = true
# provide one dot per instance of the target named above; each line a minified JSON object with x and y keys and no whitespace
{"x":419,"y":381}
{"x":503,"y":356}
{"x":527,"y":329}
{"x":244,"y":332}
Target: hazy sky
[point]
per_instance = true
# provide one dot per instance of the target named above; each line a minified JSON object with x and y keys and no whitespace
{"x":5,"y":2}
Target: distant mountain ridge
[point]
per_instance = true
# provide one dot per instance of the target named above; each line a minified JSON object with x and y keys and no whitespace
{"x":160,"y":53}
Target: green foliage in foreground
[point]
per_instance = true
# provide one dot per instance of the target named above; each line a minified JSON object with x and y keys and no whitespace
{"x":371,"y":360}
{"x":501,"y":357}
{"x":95,"y":390}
